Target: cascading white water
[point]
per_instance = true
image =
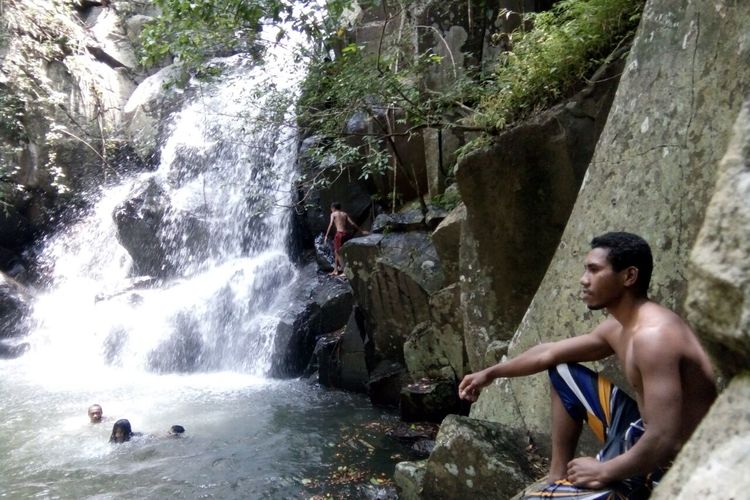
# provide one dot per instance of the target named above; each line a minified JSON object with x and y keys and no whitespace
{"x":192,"y":349}
{"x":226,"y":181}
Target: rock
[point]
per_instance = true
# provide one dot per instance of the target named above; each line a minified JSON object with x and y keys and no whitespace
{"x":335,"y":299}
{"x":110,"y":33}
{"x":392,"y":277}
{"x":435,"y":215}
{"x":653,"y":173}
{"x":295,"y":337}
{"x":156,"y":236}
{"x":719,"y":277}
{"x":477,"y":459}
{"x":429,"y":400}
{"x":435,"y":348}
{"x":411,"y":220}
{"x":713,"y":465}
{"x":385,"y":383}
{"x":324,"y":254}
{"x":140,"y":220}
{"x":518,"y":194}
{"x":325,"y":360}
{"x":145,"y":108}
{"x":341,"y":358}
{"x":409,"y":477}
{"x":447,"y":240}
{"x":354,"y":351}
{"x":10,"y":351}
{"x":15,"y":305}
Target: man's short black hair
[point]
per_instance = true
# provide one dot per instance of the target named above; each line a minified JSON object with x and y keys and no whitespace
{"x":336,"y":205}
{"x":626,"y":250}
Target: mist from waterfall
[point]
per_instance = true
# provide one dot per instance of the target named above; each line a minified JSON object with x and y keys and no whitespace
{"x":225,"y":182}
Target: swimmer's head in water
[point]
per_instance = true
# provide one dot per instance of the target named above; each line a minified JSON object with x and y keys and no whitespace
{"x":121,"y":431}
{"x":176,"y":431}
{"x":95,"y":414}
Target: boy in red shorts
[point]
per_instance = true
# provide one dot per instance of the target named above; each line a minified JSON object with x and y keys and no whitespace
{"x":339,"y":218}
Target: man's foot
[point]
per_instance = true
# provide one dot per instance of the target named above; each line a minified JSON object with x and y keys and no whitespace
{"x":333,"y":273}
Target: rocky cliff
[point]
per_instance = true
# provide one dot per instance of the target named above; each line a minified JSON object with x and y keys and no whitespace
{"x":656,"y":166}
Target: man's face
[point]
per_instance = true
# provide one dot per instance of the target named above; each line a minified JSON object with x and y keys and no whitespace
{"x":601,"y":284}
{"x":95,"y":414}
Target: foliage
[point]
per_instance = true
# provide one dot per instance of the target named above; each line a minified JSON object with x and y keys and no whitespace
{"x":448,"y":200}
{"x":564,"y":47}
{"x":382,"y":84}
{"x":194,"y":31}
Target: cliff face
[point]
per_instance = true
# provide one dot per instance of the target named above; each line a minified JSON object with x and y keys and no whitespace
{"x":65,"y":75}
{"x":653,"y":173}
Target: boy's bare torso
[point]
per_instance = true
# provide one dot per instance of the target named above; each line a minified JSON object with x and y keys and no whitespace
{"x":680,"y":346}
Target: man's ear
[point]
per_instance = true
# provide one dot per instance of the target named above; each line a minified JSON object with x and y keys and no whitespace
{"x":631,"y":276}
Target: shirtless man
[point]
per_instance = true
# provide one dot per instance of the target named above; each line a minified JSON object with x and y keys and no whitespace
{"x":339,"y":218}
{"x":660,"y":356}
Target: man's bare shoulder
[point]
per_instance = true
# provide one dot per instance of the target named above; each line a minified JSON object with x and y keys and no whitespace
{"x":660,"y":332}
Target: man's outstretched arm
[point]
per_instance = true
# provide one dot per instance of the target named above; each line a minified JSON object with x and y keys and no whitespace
{"x":354,"y":225}
{"x":590,"y":347}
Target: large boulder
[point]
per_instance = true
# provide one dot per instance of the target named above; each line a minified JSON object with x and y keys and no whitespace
{"x":718,"y":302}
{"x":155,"y":235}
{"x":477,"y":459}
{"x":518,"y":195}
{"x":139,"y":221}
{"x":148,"y":104}
{"x":447,"y":240}
{"x":317,"y":305}
{"x":653,"y":173}
{"x":435,"y":348}
{"x":714,"y":463}
{"x":392,"y":277}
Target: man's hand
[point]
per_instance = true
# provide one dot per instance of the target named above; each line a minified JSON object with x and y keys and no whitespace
{"x":472,"y":385}
{"x":587,"y":472}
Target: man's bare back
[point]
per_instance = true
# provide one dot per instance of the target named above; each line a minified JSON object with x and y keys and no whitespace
{"x":339,"y":219}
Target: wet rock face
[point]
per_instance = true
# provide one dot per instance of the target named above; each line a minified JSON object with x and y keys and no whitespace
{"x":15,"y":304}
{"x":139,"y":220}
{"x":156,"y":237}
{"x":320,"y":305}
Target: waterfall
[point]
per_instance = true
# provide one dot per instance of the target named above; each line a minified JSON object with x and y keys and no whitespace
{"x":224,"y":185}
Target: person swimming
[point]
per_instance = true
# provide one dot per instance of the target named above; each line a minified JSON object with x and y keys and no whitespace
{"x":176,"y":431}
{"x":95,"y":414}
{"x":121,"y":431}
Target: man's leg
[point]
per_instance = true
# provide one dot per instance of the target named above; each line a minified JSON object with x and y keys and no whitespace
{"x":565,"y":434}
